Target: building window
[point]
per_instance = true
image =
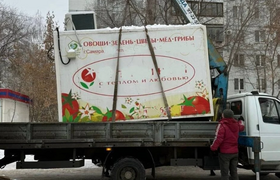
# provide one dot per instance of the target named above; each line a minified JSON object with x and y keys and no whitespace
{"x":261,"y":83}
{"x":215,"y":33}
{"x":277,"y":12}
{"x":102,"y":2}
{"x":141,"y":4}
{"x":238,"y":60}
{"x":242,"y":38}
{"x":257,"y":13}
{"x":212,"y":9}
{"x":277,"y":35}
{"x":274,"y":15}
{"x":241,"y":83}
{"x":259,"y":36}
{"x":260,"y":60}
{"x":238,"y":84}
{"x":235,"y":11}
{"x":194,"y":7}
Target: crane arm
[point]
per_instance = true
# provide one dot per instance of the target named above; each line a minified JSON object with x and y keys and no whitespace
{"x":220,"y":82}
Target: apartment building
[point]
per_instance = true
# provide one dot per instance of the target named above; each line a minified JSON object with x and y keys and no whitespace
{"x":245,"y":32}
{"x":251,"y":45}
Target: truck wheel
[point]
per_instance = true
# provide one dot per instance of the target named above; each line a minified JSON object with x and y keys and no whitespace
{"x":128,"y":169}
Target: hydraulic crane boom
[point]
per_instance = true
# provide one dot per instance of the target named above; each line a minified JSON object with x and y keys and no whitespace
{"x":187,"y":11}
{"x":220,"y":82}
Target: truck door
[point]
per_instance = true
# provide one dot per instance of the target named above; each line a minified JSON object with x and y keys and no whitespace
{"x":269,"y":128}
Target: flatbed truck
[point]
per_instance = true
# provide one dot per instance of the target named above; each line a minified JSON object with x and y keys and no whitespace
{"x":142,"y":138}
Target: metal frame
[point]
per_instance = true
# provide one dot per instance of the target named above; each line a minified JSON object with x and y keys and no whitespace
{"x":119,"y":134}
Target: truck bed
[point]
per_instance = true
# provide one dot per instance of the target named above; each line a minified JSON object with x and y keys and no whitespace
{"x":117,"y":134}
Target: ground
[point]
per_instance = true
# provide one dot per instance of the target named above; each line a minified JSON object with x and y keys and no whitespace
{"x":92,"y":172}
{"x":163,"y":173}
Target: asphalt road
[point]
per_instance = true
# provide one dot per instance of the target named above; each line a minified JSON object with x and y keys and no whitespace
{"x":163,"y":173}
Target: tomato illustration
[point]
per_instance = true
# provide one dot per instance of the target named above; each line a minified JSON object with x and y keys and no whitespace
{"x":118,"y":116}
{"x":200,"y":104}
{"x":194,"y":105}
{"x":188,"y":110}
{"x":88,"y":75}
{"x":69,"y":105}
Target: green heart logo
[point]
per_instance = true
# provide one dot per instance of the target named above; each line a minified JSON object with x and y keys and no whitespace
{"x":73,"y":46}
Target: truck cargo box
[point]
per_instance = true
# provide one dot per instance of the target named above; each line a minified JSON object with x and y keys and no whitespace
{"x":87,"y":61}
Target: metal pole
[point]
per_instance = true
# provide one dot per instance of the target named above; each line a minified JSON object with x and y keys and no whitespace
{"x":257,"y":162}
{"x":257,"y":175}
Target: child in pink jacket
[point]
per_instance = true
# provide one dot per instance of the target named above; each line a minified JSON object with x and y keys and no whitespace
{"x":226,"y":140}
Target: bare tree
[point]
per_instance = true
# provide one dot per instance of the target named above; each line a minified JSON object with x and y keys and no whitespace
{"x":252,"y":44}
{"x":241,"y":48}
{"x":42,"y":78}
{"x":14,"y":28}
{"x":48,"y":35}
{"x":116,"y":13}
{"x":239,"y":20}
{"x":271,"y":52}
{"x":32,"y":68}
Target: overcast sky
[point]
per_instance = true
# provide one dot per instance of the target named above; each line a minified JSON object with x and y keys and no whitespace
{"x":30,"y":7}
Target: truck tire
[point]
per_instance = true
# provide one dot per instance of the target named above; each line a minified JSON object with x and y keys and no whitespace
{"x":128,"y":169}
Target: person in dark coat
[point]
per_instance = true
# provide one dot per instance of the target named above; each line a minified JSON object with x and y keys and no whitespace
{"x":226,"y":140}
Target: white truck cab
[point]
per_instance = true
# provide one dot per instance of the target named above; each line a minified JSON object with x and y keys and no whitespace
{"x":261,"y":115}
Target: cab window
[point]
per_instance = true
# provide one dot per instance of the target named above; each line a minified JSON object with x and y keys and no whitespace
{"x":236,"y":107}
{"x":270,"y":110}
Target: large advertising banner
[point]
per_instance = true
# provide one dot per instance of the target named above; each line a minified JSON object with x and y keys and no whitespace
{"x":87,"y":84}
